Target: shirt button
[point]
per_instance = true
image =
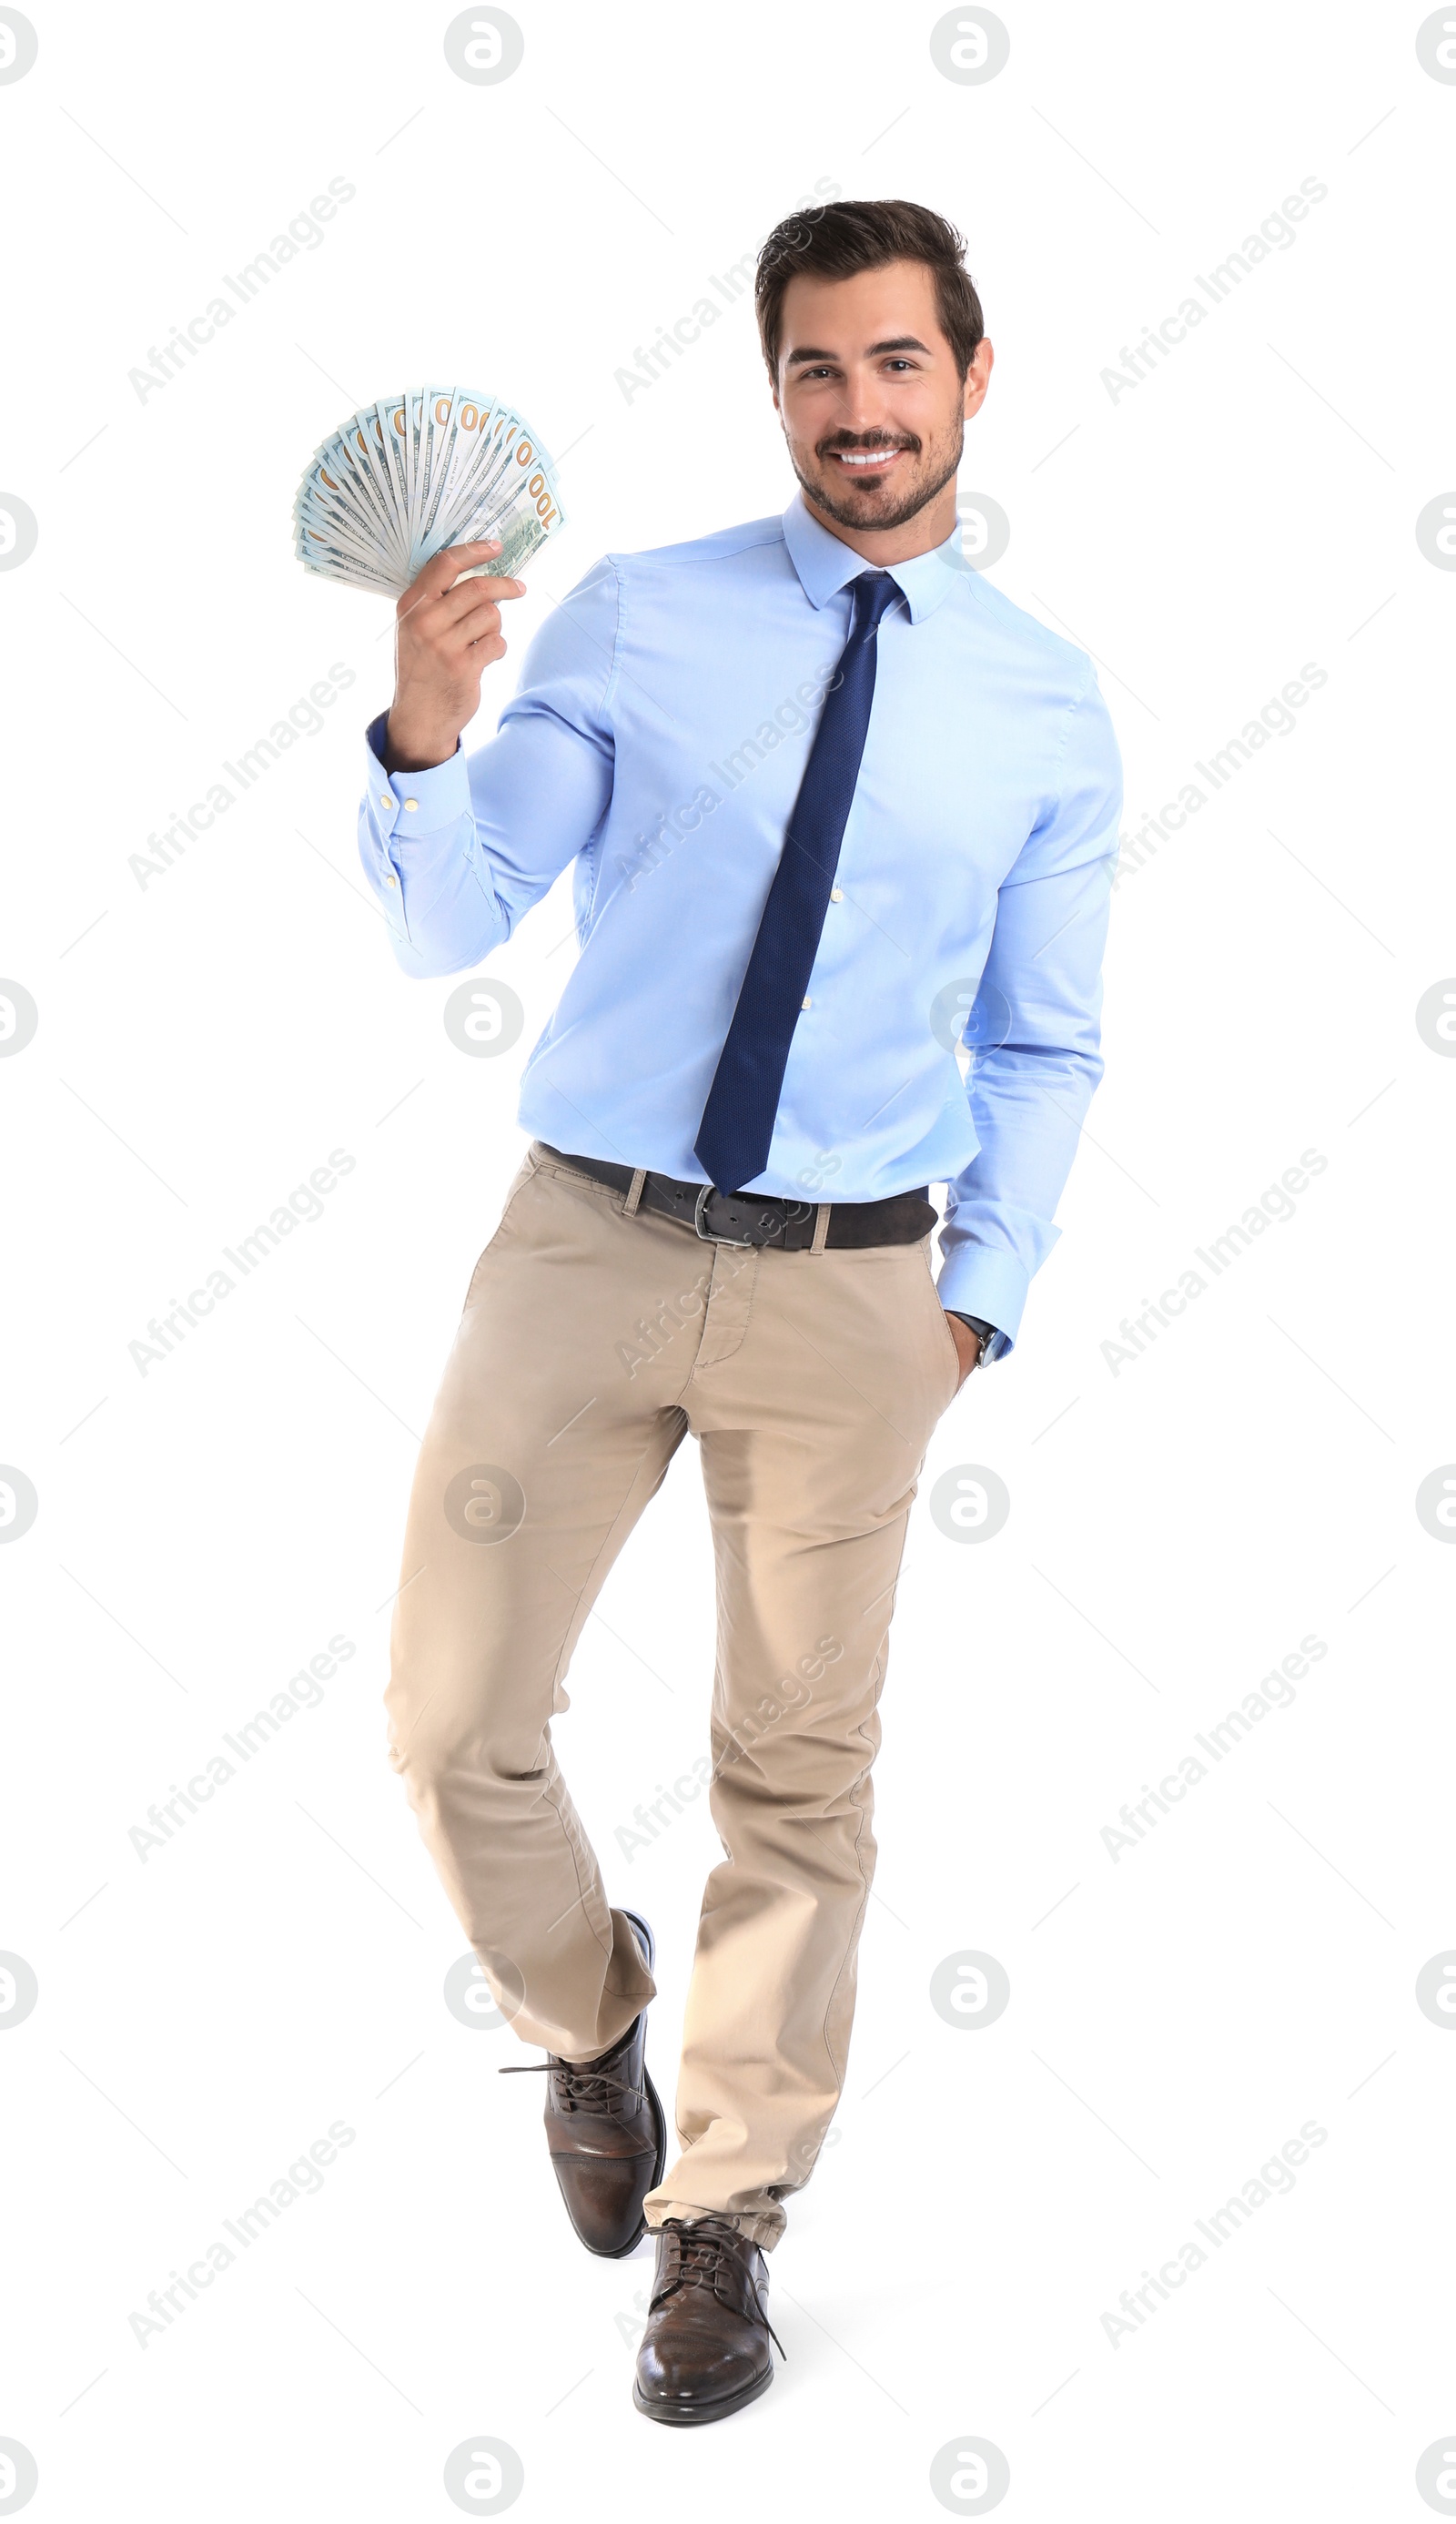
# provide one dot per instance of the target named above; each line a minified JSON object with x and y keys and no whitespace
{"x":388,"y":797}
{"x":809,"y":1003}
{"x":410,"y":805}
{"x":835,"y":893}
{"x":391,"y":879}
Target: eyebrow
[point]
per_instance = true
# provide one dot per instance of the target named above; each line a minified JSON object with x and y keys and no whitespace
{"x":876,"y":351}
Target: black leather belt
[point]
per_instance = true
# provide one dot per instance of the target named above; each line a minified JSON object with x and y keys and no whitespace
{"x":746,"y":1218}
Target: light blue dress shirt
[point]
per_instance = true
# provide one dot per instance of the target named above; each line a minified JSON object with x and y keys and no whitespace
{"x":658,"y":741}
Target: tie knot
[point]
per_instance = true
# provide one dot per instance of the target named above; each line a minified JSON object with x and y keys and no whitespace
{"x":875,"y":591}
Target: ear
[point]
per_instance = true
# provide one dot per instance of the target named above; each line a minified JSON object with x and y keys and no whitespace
{"x":978,"y":378}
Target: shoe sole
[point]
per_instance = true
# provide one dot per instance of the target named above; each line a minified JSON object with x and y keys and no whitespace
{"x":649,"y":1945}
{"x":686,"y":2415}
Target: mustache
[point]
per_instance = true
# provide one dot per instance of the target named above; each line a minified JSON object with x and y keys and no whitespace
{"x":843,"y":442}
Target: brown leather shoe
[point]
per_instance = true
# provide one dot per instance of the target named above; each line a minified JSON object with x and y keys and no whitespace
{"x":705,"y":2347}
{"x":606,"y":2132}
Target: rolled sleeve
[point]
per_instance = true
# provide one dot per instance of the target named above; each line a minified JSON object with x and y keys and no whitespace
{"x":1035,"y":1026}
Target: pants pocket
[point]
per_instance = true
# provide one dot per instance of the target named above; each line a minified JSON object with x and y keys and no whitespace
{"x":944,"y":1333}
{"x":529,"y":1166}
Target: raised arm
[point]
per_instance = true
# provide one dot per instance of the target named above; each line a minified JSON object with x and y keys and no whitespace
{"x":456,"y":848}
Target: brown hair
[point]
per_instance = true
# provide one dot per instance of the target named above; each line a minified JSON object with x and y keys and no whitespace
{"x":835,"y":239}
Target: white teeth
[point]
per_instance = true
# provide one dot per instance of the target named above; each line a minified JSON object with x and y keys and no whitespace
{"x":879,"y":456}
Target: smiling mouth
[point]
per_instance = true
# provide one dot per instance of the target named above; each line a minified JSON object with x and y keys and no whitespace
{"x":866,"y":462}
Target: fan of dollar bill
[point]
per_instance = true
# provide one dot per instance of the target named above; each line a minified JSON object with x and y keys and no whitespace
{"x":416,"y":471}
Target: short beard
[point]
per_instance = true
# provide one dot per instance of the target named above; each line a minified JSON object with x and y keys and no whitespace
{"x":900,"y":515}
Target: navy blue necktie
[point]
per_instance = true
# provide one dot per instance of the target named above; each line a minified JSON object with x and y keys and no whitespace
{"x":737,"y":1119}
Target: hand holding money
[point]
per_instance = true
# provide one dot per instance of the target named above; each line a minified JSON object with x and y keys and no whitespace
{"x":413,"y":494}
{"x":450,"y":632}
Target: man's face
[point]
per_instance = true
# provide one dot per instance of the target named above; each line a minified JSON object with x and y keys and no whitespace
{"x":872,"y":406}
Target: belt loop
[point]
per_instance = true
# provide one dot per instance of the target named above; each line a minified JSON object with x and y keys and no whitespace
{"x":821,"y":1228}
{"x":634,"y":1194}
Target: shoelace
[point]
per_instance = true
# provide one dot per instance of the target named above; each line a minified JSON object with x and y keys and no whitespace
{"x":703,"y":2248}
{"x":582,"y":2085}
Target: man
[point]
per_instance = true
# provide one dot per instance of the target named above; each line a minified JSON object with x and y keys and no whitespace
{"x":821,"y":784}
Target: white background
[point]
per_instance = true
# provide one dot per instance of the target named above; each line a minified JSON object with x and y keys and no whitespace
{"x":1177,"y":1527}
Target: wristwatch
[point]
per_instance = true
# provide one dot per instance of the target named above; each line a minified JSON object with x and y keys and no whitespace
{"x":992,"y":1343}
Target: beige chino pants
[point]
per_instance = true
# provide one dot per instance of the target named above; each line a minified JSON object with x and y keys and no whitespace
{"x":590,"y":1342}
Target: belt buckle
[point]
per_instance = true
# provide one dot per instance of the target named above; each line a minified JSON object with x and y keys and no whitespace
{"x":706,"y":1234}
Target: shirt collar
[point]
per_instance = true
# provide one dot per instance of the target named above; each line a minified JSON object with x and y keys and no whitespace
{"x":825,"y":564}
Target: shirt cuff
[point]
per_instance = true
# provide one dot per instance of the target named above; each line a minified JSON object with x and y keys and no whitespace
{"x":407,"y":804}
{"x":979,"y":1280}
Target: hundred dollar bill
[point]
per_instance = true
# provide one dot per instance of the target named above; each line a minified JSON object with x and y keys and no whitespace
{"x":508,"y":483}
{"x":351,"y":475}
{"x":524,"y":534}
{"x":416,"y":471}
{"x":320,"y":538}
{"x":457,"y":444}
{"x":366,"y":484}
{"x":338,"y":491}
{"x":333,"y":561}
{"x":337,"y":517}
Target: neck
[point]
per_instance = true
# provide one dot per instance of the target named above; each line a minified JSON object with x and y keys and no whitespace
{"x":925,"y":532}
